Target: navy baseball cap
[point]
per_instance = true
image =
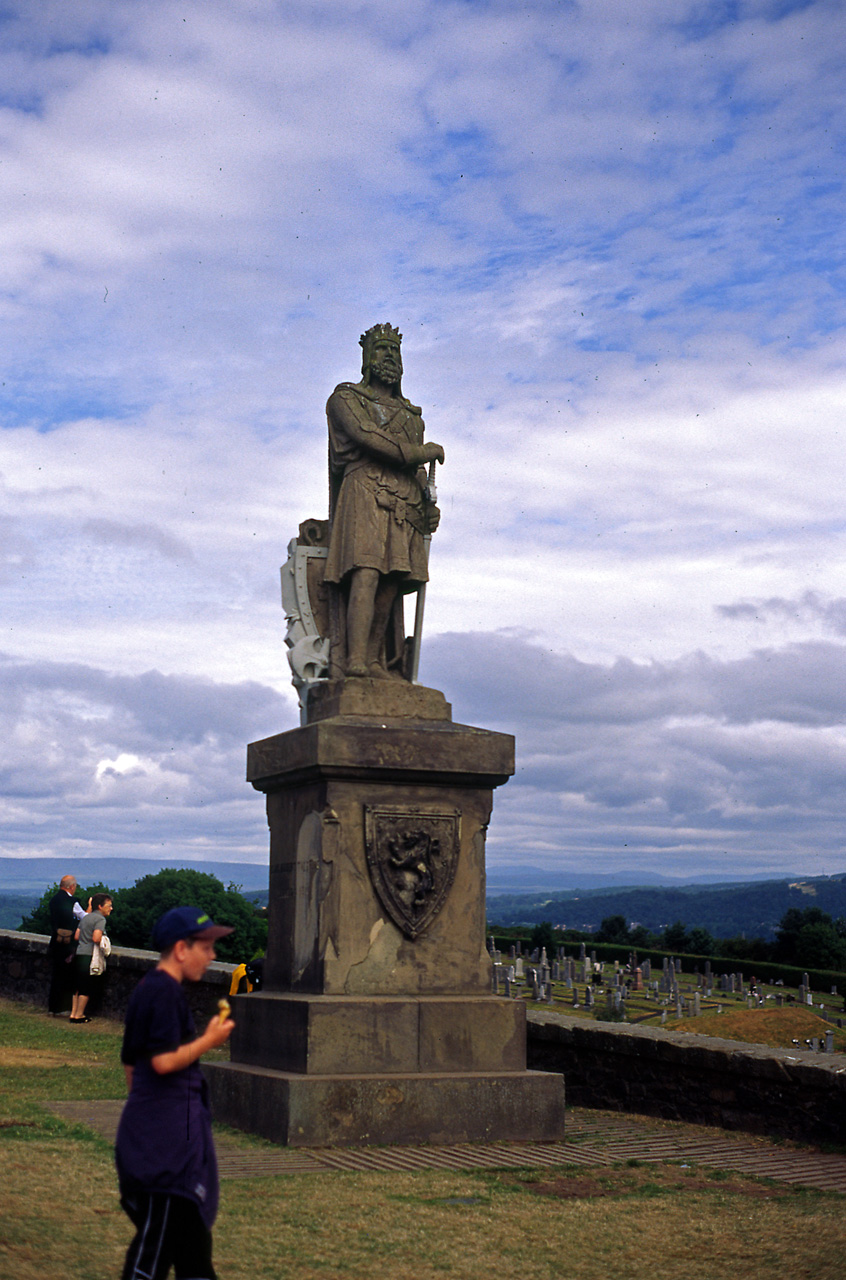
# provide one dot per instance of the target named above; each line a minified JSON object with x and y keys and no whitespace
{"x":186,"y":922}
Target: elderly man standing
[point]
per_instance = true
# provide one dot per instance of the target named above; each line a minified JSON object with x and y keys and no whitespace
{"x":380,"y":511}
{"x":65,"y":913}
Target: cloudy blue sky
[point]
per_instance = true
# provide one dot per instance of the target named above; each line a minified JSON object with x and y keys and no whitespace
{"x":613,"y":236}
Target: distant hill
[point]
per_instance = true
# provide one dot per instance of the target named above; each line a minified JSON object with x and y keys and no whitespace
{"x":14,"y":906}
{"x":725,"y":910}
{"x":23,"y":875}
{"x":516,"y":878}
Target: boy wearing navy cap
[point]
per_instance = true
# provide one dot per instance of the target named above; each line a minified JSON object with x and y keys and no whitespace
{"x":164,"y":1152}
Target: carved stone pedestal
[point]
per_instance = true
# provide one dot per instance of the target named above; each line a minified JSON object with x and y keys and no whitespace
{"x":377,"y":1023}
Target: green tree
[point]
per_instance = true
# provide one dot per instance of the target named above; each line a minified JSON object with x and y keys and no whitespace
{"x":676,"y":938}
{"x":811,"y":938}
{"x":543,"y":935}
{"x":613,"y":929}
{"x":789,"y":929}
{"x":137,"y":909}
{"x":820,"y":947}
{"x":701,"y":942}
{"x":741,"y":948}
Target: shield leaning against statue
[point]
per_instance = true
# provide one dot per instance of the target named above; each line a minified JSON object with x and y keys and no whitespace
{"x":412,"y":856}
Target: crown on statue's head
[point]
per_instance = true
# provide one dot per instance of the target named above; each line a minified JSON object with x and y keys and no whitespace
{"x":381,"y":331}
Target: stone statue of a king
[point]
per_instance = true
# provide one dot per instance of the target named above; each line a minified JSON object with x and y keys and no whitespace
{"x":381,"y":513}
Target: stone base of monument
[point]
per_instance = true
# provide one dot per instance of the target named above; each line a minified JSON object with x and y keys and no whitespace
{"x":356,"y":1110}
{"x":377,"y":1023}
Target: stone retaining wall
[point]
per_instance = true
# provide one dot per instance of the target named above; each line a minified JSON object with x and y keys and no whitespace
{"x":25,"y":976}
{"x":698,"y":1079}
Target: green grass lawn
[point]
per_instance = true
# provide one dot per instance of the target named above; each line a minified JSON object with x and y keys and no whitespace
{"x":60,"y":1218}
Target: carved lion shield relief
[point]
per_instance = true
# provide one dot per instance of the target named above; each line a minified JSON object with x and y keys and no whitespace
{"x":412,"y":856}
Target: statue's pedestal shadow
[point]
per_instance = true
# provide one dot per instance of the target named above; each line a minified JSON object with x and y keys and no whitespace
{"x":377,"y":1023}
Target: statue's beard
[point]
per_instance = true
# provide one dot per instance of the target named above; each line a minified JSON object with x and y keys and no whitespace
{"x":387,"y":371}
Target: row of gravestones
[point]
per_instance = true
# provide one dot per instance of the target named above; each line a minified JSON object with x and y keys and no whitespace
{"x":514,"y":979}
{"x":566,"y":969}
{"x":516,"y":949}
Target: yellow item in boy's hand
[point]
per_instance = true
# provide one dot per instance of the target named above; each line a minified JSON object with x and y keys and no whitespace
{"x":224,"y":1009}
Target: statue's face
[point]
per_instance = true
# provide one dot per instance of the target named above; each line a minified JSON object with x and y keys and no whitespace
{"x":386,"y":362}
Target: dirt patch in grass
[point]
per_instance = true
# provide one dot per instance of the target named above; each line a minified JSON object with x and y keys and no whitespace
{"x":10,"y":1058}
{"x":652,"y":1179}
{"x":775,"y":1027}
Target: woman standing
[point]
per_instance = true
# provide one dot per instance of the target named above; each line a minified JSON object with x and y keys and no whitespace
{"x":91,"y":929}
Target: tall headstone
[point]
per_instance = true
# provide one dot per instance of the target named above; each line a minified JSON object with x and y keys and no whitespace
{"x":376,"y":1022}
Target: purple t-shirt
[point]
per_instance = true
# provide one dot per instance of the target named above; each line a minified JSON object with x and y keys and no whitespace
{"x":164,"y":1140}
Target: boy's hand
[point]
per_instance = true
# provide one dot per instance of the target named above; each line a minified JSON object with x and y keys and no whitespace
{"x":217,"y":1032}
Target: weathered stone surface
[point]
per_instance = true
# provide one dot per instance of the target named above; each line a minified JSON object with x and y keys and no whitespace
{"x":426,"y":751}
{"x":325,"y":1035}
{"x":377,"y":699}
{"x":329,"y":933}
{"x":377,"y":1022}
{"x":352,"y":1110}
{"x":487,"y":1034}
{"x":693,"y":1078}
{"x":322,"y":1035}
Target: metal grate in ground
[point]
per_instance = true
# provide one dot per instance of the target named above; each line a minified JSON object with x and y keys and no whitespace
{"x":594,"y":1138}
